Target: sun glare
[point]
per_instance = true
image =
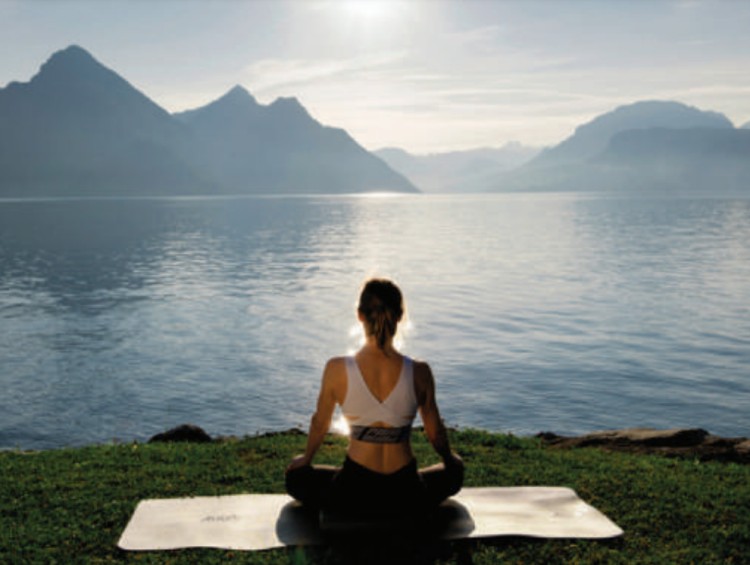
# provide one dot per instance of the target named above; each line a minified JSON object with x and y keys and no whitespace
{"x":368,"y":10}
{"x":340,"y":426}
{"x":371,"y":23}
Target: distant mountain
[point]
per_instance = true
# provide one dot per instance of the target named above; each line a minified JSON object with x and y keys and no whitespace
{"x":646,"y":146}
{"x":676,"y":147}
{"x":280,"y":148}
{"x":78,"y":128}
{"x":457,"y":171}
{"x":683,"y":158}
{"x":592,"y":138}
{"x":746,"y":126}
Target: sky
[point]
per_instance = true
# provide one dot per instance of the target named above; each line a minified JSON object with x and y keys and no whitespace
{"x":424,"y":75}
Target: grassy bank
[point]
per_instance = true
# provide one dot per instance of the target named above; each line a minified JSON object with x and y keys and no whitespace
{"x":71,"y":505}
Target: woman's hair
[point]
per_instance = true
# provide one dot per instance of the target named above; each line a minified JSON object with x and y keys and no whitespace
{"x":382,"y":307}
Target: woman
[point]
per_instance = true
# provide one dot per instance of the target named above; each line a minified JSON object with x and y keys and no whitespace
{"x":379,"y":391}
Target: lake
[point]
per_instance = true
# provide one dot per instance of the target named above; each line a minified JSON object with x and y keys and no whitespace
{"x":120,"y":318}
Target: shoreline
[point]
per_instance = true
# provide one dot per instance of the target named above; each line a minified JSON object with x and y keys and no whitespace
{"x":695,"y":443}
{"x":686,"y":443}
{"x":691,"y":443}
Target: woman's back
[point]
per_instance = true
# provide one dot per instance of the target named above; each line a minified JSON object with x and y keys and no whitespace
{"x":380,"y":372}
{"x":380,"y":384}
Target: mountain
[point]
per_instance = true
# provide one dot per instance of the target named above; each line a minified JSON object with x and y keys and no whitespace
{"x":650,"y":145}
{"x":247,"y":146}
{"x":592,"y":138}
{"x":78,"y":128}
{"x":746,"y":126}
{"x":683,"y":158}
{"x":676,"y":147}
{"x":457,"y":171}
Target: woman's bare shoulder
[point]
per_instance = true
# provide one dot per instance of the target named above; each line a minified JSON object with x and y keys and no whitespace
{"x":336,"y":362}
{"x":334,"y":378}
{"x":335,"y":367}
{"x":422,"y":372}
{"x":340,"y":360}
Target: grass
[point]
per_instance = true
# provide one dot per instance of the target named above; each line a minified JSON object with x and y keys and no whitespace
{"x":71,"y":505}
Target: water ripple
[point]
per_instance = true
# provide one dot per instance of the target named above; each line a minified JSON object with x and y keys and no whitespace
{"x":561,"y":312}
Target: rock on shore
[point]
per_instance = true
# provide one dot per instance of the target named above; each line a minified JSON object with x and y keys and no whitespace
{"x":185,"y":432}
{"x":693,"y":443}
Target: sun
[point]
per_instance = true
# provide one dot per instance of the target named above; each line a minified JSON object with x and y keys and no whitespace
{"x":370,"y":12}
{"x":370,"y":22}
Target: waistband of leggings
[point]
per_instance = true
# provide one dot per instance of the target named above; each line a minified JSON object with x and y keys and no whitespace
{"x":352,"y":465}
{"x":372,"y":434}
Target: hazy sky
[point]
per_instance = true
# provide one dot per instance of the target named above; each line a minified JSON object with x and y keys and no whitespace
{"x":425,"y":75}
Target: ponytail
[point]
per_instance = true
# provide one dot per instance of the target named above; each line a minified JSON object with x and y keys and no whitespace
{"x":381,"y":305}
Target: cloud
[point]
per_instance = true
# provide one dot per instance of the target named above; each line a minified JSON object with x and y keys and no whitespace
{"x":276,"y":75}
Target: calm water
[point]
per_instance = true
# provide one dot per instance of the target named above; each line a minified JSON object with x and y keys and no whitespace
{"x":562,"y":312}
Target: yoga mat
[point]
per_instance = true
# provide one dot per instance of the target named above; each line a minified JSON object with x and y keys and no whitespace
{"x":264,"y":521}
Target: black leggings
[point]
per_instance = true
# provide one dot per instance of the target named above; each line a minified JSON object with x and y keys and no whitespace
{"x":354,"y":488}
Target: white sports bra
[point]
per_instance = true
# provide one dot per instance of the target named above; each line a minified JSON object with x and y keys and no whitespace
{"x":361,"y":408}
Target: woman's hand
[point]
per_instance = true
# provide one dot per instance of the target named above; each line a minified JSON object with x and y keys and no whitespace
{"x":297,"y":462}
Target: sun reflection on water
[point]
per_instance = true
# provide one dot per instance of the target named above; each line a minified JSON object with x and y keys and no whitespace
{"x":381,"y":194}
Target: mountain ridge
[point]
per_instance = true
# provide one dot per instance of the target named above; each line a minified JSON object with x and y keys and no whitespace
{"x":592,"y":137}
{"x":282,"y":131}
{"x":661,"y":146}
{"x":470,"y":170}
{"x":79,"y":128}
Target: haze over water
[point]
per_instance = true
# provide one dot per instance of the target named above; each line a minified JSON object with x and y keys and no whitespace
{"x":565,"y":312}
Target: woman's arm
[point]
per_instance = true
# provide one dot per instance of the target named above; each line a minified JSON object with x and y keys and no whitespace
{"x":428,"y":410}
{"x":321,"y":419}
